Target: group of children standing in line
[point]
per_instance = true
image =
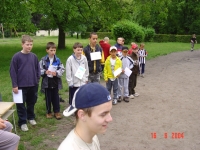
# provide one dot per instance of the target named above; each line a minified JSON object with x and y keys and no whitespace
{"x":81,"y":68}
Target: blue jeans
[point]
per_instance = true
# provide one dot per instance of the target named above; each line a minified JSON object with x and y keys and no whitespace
{"x":25,"y":110}
{"x":112,"y":84}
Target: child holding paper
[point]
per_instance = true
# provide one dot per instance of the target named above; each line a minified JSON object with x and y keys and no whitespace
{"x":51,"y":70}
{"x":112,"y":69}
{"x":95,"y":58}
{"x":127,"y":64}
{"x":133,"y":76}
{"x":77,"y":70}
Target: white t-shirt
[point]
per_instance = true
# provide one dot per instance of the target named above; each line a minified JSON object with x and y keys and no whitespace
{"x":74,"y":142}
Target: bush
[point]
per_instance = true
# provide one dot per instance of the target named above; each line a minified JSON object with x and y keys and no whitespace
{"x":139,"y":35}
{"x":173,"y":38}
{"x":149,"y":34}
{"x":125,"y":29}
{"x":101,"y":35}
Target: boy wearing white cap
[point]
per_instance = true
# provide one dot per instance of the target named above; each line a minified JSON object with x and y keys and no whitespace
{"x":111,"y":65}
{"x":92,"y":117}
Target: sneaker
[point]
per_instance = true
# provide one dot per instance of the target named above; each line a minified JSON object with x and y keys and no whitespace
{"x":57,"y":116}
{"x":24,"y":127}
{"x":136,"y":94}
{"x":49,"y":116}
{"x":32,"y":122}
{"x":126,"y":99}
{"x":119,"y":99}
{"x":114,"y":102}
{"x":131,"y":96}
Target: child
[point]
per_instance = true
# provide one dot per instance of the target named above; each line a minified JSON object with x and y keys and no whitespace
{"x":91,"y":105}
{"x":133,"y":76}
{"x":112,"y":63}
{"x":73,"y":64}
{"x":51,"y":71}
{"x":127,"y":62}
{"x":25,"y":75}
{"x":142,"y":54}
{"x":133,"y":46}
{"x":119,"y":45}
{"x":95,"y":68}
{"x":193,"y":40}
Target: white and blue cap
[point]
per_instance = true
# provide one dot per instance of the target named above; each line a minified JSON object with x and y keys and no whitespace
{"x":88,"y":95}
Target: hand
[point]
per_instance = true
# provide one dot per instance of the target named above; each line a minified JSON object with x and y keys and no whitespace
{"x":53,"y":73}
{"x":2,"y":124}
{"x":123,"y":71}
{"x":15,"y":90}
{"x":106,"y":81}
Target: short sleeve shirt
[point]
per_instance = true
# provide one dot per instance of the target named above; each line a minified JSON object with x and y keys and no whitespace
{"x":74,"y":142}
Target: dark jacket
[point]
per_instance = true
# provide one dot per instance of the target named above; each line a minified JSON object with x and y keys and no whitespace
{"x":87,"y":50}
{"x":135,"y":69}
{"x":54,"y":82}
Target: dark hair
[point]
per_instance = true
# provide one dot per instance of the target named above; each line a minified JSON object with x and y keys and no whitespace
{"x":92,"y":33}
{"x":50,"y":45}
{"x":77,"y":45}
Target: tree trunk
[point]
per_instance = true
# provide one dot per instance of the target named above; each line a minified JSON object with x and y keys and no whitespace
{"x":77,"y":35}
{"x":61,"y":38}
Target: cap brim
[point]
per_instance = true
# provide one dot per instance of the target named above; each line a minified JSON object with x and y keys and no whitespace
{"x":69,"y":111}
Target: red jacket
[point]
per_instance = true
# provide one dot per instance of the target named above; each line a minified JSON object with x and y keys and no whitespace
{"x":106,"y":48}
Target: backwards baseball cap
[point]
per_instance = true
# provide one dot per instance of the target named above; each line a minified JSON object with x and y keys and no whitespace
{"x":134,"y":46}
{"x":113,"y":47}
{"x":88,"y":95}
{"x":124,"y":48}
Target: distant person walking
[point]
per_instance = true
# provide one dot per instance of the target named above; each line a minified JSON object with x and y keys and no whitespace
{"x":193,"y":41}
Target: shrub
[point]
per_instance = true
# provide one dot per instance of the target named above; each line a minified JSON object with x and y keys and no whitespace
{"x":125,"y":29}
{"x":101,"y":35}
{"x":139,"y":35}
{"x":149,"y":34}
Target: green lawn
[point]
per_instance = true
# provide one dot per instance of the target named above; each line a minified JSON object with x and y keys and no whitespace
{"x":8,"y":47}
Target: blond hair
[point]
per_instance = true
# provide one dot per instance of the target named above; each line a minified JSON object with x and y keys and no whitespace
{"x":26,"y":38}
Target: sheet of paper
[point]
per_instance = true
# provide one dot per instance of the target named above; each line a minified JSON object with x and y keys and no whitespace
{"x":52,"y":69}
{"x":95,"y":56}
{"x":18,"y":98}
{"x":80,"y":72}
{"x":127,"y":71}
{"x":117,"y":72}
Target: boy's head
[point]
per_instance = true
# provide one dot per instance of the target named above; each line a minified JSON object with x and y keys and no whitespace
{"x":120,"y":41}
{"x":106,"y":40}
{"x":93,"y":39}
{"x":91,"y":104}
{"x":142,"y":46}
{"x":124,"y":51}
{"x":51,"y":49}
{"x":27,"y":44}
{"x":135,"y":48}
{"x":113,"y":51}
{"x":78,"y":49}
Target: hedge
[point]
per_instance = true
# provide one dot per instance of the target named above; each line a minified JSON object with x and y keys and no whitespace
{"x":101,"y":35}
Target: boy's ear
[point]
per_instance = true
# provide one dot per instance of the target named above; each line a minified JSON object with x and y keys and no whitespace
{"x":81,"y":115}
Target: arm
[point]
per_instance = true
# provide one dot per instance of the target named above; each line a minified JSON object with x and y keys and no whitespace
{"x":69,"y":72}
{"x":13,"y":74}
{"x":60,"y":71}
{"x":87,"y":70}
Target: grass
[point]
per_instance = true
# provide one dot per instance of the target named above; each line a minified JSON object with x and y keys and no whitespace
{"x":36,"y":135}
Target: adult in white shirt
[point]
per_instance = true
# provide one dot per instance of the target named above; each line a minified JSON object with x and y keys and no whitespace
{"x":92,"y":105}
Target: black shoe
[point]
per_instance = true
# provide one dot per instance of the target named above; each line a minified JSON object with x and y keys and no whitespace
{"x":61,"y":100}
{"x":119,"y":99}
{"x":126,"y":99}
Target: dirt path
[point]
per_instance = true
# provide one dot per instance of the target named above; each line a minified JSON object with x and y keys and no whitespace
{"x":168,"y":105}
